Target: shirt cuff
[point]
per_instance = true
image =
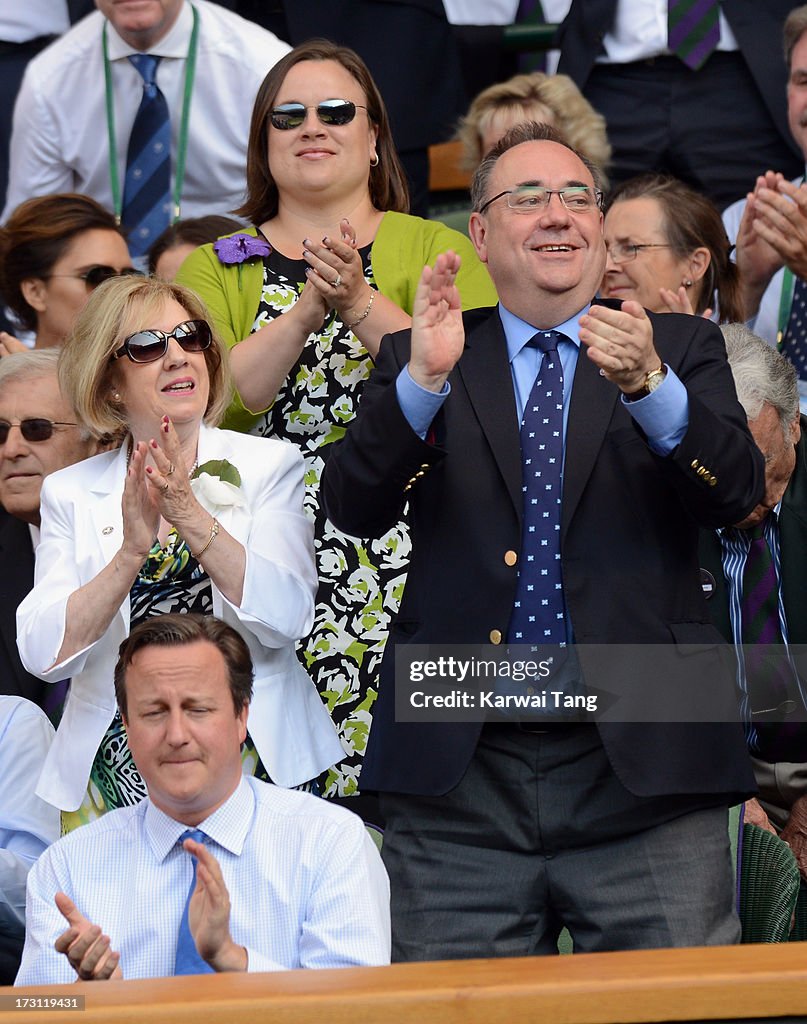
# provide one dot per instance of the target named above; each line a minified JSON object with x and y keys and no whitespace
{"x":257,"y":962}
{"x":663,"y":415}
{"x":418,"y":405}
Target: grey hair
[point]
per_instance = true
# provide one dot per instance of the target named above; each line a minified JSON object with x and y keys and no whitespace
{"x":22,"y":367}
{"x":527,"y":131}
{"x":794,"y":28}
{"x":762,"y":376}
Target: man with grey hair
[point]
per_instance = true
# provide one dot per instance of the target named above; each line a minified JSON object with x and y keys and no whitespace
{"x":769,"y":227}
{"x":38,"y":435}
{"x":768,"y":545}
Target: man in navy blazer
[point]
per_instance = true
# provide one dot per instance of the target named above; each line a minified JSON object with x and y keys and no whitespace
{"x":498,"y":834}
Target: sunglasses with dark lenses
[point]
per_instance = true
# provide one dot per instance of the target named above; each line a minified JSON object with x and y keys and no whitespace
{"x":99,"y":273}
{"x":330,"y":112}
{"x":33,"y":429}
{"x":146,"y":346}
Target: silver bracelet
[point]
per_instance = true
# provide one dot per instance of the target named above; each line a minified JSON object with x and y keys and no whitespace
{"x":365,"y":314}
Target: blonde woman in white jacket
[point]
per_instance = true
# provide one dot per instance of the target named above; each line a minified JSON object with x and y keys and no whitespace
{"x":182,"y":517}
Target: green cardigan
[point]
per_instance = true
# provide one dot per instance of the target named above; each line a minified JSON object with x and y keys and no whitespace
{"x":402,"y":246}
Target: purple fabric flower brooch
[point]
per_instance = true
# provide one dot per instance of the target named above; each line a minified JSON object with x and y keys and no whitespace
{"x":238,"y":248}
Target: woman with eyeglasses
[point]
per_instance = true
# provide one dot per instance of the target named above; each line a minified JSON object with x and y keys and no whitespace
{"x":53,"y":251}
{"x":305,"y":297}
{"x":668,"y":249}
{"x":183,"y":517}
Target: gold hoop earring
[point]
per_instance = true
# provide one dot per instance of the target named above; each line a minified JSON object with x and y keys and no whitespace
{"x":375,"y":161}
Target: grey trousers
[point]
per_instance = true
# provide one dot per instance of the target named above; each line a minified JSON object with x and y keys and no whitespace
{"x":540,"y":834}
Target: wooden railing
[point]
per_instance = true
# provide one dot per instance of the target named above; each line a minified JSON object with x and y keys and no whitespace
{"x":723,"y":983}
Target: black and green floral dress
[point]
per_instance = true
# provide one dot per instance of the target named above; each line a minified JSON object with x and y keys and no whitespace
{"x":360,"y":585}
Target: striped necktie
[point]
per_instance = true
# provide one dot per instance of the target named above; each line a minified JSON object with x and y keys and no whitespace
{"x":147,"y":188}
{"x":539,"y":614}
{"x":693,"y":30}
{"x":770,"y":682}
{"x":794,"y":342}
{"x":187,"y":959}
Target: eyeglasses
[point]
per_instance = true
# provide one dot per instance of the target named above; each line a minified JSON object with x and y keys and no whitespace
{"x":624,"y":252}
{"x":529,"y":198}
{"x":99,"y":273}
{"x":34,"y":429}
{"x":330,"y":112}
{"x":146,"y":346}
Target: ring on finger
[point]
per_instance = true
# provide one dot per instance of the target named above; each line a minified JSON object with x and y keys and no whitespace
{"x":338,"y":281}
{"x":170,"y":470}
{"x":164,"y":488}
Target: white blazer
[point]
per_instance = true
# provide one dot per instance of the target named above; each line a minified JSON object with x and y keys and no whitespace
{"x":82,"y":529}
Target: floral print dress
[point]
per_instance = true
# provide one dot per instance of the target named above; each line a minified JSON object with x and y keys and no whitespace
{"x":360,"y":584}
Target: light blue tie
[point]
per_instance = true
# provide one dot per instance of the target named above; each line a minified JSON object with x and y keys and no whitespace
{"x":146,"y":208}
{"x":187,"y":959}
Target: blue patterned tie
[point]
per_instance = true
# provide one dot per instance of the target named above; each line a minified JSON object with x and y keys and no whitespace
{"x":188,"y":960}
{"x":539,"y":614}
{"x":147,"y":189}
{"x":794,"y":343}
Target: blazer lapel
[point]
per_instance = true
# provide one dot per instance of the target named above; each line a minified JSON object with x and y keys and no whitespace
{"x":105,"y":512}
{"x":592,"y":405}
{"x":485,"y":372}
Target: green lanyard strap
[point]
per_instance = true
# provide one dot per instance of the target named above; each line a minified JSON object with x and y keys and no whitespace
{"x":785,"y":302}
{"x":182,"y":146}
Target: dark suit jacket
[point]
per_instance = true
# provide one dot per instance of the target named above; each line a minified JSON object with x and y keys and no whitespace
{"x":629,"y":542}
{"x":17,"y":560}
{"x":793,"y":550}
{"x":757,"y":27}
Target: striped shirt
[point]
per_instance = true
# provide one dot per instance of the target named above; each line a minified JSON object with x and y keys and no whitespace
{"x":306,"y":884}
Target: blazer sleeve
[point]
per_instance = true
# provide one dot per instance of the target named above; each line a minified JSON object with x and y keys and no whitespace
{"x":280,"y":580}
{"x":42,"y":614}
{"x":717,"y":469}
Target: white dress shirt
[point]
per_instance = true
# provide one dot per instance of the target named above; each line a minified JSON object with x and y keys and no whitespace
{"x":639,"y":30}
{"x":59,"y":141}
{"x":27,"y":824}
{"x":23,"y":20}
{"x":307,"y":886}
{"x":766,"y":321}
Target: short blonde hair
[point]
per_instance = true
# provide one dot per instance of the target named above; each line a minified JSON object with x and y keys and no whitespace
{"x":117,"y":308}
{"x":529,"y":96}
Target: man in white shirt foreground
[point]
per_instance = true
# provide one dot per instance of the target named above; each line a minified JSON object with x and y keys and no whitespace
{"x":27,"y":824}
{"x":283,"y":880}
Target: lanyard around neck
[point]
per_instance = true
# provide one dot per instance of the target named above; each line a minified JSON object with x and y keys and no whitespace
{"x":182,"y":144}
{"x":785,"y":302}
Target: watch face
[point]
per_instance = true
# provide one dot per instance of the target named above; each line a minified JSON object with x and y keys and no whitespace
{"x":654,"y":379}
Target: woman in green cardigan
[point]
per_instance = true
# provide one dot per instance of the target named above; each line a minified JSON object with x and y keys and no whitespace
{"x":304,"y":299}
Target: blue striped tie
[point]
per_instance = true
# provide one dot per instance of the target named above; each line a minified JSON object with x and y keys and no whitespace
{"x":147,"y":189}
{"x":187,"y":959}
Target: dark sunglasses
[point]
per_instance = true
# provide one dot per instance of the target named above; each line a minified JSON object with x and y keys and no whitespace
{"x":330,"y":112}
{"x":146,"y":346}
{"x":99,"y":273}
{"x":32,"y":430}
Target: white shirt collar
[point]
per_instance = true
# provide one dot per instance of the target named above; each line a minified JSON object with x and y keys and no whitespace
{"x":228,"y":826}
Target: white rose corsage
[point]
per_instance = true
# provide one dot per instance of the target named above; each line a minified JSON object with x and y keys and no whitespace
{"x":217,"y":485}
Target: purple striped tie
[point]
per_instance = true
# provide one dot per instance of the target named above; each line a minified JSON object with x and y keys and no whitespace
{"x":693,"y":30}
